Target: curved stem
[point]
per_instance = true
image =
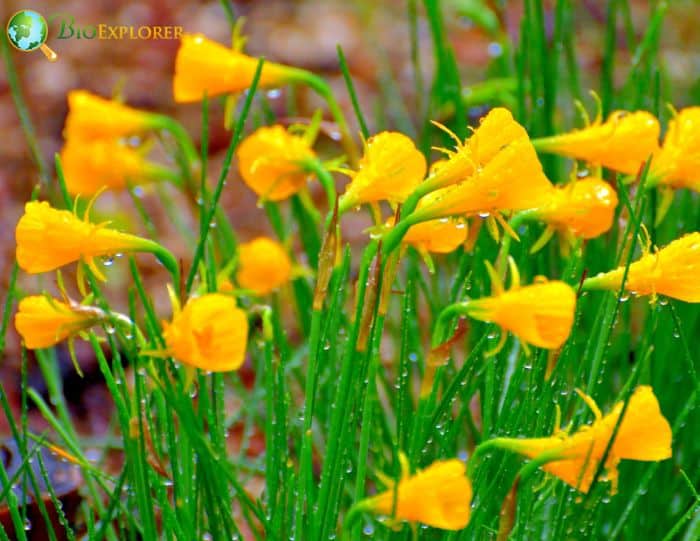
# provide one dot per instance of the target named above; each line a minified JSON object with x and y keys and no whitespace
{"x":325,"y":178}
{"x":117,"y":319}
{"x":392,"y":239}
{"x":181,"y":136}
{"x":166,"y":257}
{"x":430,"y":184}
{"x":350,"y":518}
{"x":482,"y":448}
{"x":321,"y":88}
{"x":440,"y":331}
{"x":516,"y":221}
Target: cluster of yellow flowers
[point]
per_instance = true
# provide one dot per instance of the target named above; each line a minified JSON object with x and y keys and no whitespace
{"x":441,"y":495}
{"x":98,"y":145}
{"x":492,"y":175}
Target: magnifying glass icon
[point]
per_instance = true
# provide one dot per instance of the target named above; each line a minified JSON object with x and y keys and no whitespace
{"x":27,"y":31}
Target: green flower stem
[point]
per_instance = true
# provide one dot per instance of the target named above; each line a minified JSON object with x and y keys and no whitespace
{"x":600,"y":282}
{"x":515,"y":222}
{"x":351,"y":518}
{"x":326,"y":180}
{"x":409,"y":215}
{"x":441,"y":331}
{"x":392,"y":240}
{"x":368,"y":413}
{"x":183,"y":140}
{"x":273,"y":456}
{"x":120,"y":320}
{"x":166,"y":258}
{"x":481,"y":449}
{"x":321,"y":87}
{"x":339,"y":419}
{"x":159,"y":173}
{"x":430,"y":184}
{"x":306,"y":463}
{"x":509,"y":507}
{"x":213,"y":209}
{"x":545,"y":144}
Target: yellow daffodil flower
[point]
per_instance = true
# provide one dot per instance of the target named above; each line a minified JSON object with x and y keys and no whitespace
{"x":677,"y":163}
{"x":92,"y":165}
{"x":672,"y":271}
{"x":205,"y":66}
{"x":271,"y":162}
{"x":210,"y":333}
{"x":540,"y":314}
{"x":496,"y":130}
{"x":622,"y":143}
{"x":585,"y":208}
{"x":391,"y":168}
{"x":437,"y":236}
{"x":644,"y":434}
{"x":43,"y":322}
{"x":93,"y":117}
{"x":48,"y":238}
{"x":511,"y":180}
{"x":263,"y":265}
{"x":438,"y":496}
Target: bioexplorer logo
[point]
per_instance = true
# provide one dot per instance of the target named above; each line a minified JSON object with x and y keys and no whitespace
{"x":69,"y":29}
{"x":27,"y":31}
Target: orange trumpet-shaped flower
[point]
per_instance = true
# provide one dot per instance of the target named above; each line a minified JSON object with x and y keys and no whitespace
{"x":511,"y":180}
{"x":672,"y":271}
{"x":203,"y":66}
{"x":622,"y":143}
{"x":644,"y":434}
{"x":43,"y":322}
{"x":585,"y":208}
{"x":496,"y":130}
{"x":210,"y":333}
{"x":540,"y":314}
{"x":263,"y":265}
{"x":391,"y":168}
{"x":48,"y":238}
{"x":91,"y":165}
{"x":677,"y":164}
{"x":439,"y":496}
{"x":93,"y":117}
{"x":271,"y":162}
{"x":437,"y":236}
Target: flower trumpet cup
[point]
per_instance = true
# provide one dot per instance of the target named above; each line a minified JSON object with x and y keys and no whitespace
{"x":94,"y":117}
{"x":272,"y":162}
{"x":43,"y":321}
{"x":203,"y":66}
{"x":92,"y":165}
{"x":48,"y":238}
{"x":390,"y":170}
{"x":540,"y":314}
{"x":643,"y":434}
{"x":585,"y":208}
{"x":495,"y":131}
{"x":439,"y":496}
{"x":511,"y":180}
{"x":263,"y":265}
{"x":210,"y":333}
{"x":677,"y":163}
{"x":672,"y":271}
{"x":622,"y":143}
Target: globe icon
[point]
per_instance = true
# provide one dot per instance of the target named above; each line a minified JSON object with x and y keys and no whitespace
{"x":27,"y":31}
